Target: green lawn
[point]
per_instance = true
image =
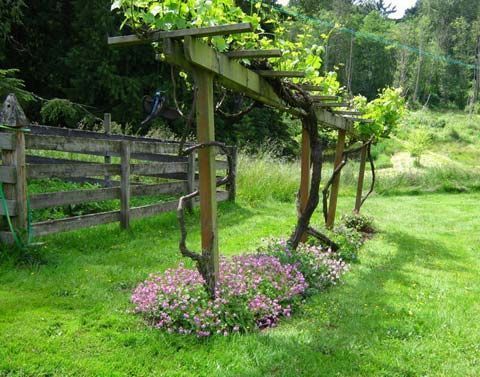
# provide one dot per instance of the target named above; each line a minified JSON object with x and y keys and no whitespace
{"x":409,"y":308}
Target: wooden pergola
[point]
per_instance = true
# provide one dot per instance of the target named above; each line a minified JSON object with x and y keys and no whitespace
{"x":186,"y":49}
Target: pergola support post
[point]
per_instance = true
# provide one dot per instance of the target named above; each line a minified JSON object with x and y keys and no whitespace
{"x":304,"y":175}
{"x":332,"y":208}
{"x":361,"y":179}
{"x":207,"y":171}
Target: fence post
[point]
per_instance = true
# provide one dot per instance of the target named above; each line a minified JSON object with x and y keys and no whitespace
{"x":361,"y":178}
{"x":305,"y":175}
{"x":332,"y":208}
{"x":125,"y":185}
{"x":107,"y":120}
{"x":191,"y":174}
{"x":12,"y":115}
{"x":232,"y":186}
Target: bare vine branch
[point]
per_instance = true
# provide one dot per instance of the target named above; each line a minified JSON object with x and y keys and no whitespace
{"x":372,"y":167}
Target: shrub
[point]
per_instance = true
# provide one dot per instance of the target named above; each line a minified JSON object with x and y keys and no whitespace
{"x":320,"y":267}
{"x":253,"y":291}
{"x":358,"y":222}
{"x":349,"y":240}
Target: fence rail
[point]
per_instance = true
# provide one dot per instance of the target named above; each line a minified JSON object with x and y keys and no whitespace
{"x":136,"y":157}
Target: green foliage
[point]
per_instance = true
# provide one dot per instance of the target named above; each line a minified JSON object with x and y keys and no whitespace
{"x":386,"y":111}
{"x":349,"y":240}
{"x":418,"y":143}
{"x":10,"y":84}
{"x":60,"y":112}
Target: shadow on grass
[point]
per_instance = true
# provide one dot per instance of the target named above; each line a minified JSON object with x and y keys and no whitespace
{"x":341,"y":331}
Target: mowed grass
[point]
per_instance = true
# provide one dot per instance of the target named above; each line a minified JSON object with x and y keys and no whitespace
{"x":409,"y":308}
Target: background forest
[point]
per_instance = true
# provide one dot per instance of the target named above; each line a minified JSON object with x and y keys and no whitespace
{"x":59,"y":48}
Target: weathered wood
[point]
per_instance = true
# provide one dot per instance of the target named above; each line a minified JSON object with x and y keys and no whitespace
{"x":7,"y":141}
{"x":328,"y":119}
{"x":347,"y":112}
{"x":305,"y":175}
{"x":73,"y":144}
{"x":353,"y":119}
{"x":62,"y":198}
{"x":361,"y":179}
{"x":232,"y":186}
{"x":324,"y":98}
{"x":254,"y":54}
{"x":154,"y":169}
{"x":125,"y":185}
{"x":11,"y":113}
{"x":11,"y":207}
{"x":210,"y":31}
{"x":20,"y":188}
{"x":77,"y":222}
{"x":107,"y":119}
{"x":206,"y":157}
{"x":8,"y":172}
{"x":333,"y":104}
{"x":231,"y":73}
{"x":312,"y":88}
{"x":46,"y":171}
{"x":332,"y":208}
{"x":267,"y":73}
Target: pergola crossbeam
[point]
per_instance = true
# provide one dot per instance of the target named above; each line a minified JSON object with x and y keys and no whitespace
{"x":325,"y":98}
{"x":290,"y":74}
{"x":211,"y":31}
{"x":254,"y":54}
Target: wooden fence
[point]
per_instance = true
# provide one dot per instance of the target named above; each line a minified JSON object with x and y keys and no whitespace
{"x":125,"y":160}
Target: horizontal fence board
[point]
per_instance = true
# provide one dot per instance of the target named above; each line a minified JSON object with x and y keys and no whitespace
{"x":77,"y":222}
{"x":161,"y":188}
{"x":45,"y":171}
{"x":8,"y":174}
{"x":7,"y":141}
{"x":6,"y":237}
{"x":11,"y":207}
{"x":72,"y":144}
{"x":62,"y":198}
{"x":154,"y":169}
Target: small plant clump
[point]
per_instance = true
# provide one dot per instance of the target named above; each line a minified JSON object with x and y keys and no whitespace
{"x":254,"y":291}
{"x":360,"y":223}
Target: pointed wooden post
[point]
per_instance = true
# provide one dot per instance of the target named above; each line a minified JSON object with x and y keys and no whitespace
{"x":361,"y":178}
{"x":332,"y":208}
{"x":12,"y":115}
{"x":207,"y":170}
{"x":304,"y":175}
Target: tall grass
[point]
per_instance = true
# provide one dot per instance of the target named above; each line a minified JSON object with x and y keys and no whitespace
{"x":263,"y":177}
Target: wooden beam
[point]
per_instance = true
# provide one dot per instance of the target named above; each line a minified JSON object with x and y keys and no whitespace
{"x":332,"y":208}
{"x":312,"y":88}
{"x":347,"y":112}
{"x":131,"y":40}
{"x":353,"y":119}
{"x":325,"y":98}
{"x":254,"y":54}
{"x":267,"y":73}
{"x":327,"y":118}
{"x":206,"y":164}
{"x":333,"y":104}
{"x":125,"y":185}
{"x":231,"y":73}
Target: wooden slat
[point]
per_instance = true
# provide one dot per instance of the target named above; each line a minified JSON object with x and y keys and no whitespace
{"x":154,"y":169}
{"x":231,"y":73}
{"x":325,"y":98}
{"x":312,"y":88}
{"x":62,"y":198}
{"x":125,"y":185}
{"x":254,"y":54}
{"x":7,"y":141}
{"x":77,"y":222}
{"x":333,"y":121}
{"x":11,"y":207}
{"x":129,"y":40}
{"x":8,"y":174}
{"x":45,"y":171}
{"x":347,"y":112}
{"x":354,"y":119}
{"x":72,"y":144}
{"x":266,"y":73}
{"x":333,"y":104}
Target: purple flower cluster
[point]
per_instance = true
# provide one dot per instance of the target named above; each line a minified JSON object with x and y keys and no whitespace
{"x":320,"y":267}
{"x":253,"y":291}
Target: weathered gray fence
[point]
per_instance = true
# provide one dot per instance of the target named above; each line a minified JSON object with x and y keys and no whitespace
{"x":126,"y":158}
